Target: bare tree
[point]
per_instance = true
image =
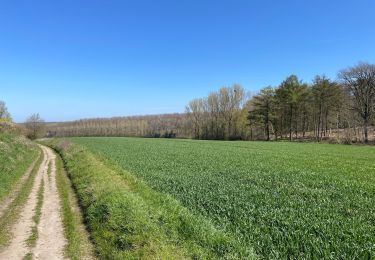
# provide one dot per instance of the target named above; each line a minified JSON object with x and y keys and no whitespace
{"x":360,"y":82}
{"x":4,"y":114}
{"x":35,"y":126}
{"x":213,"y":105}
{"x":231,"y":102}
{"x":195,"y":110}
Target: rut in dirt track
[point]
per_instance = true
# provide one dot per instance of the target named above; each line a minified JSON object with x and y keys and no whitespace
{"x":51,"y":241}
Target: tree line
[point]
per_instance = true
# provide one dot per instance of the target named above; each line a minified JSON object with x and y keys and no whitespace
{"x":323,"y":109}
{"x":337,"y":110}
{"x":166,"y":125}
{"x":296,"y":109}
{"x":221,"y":115}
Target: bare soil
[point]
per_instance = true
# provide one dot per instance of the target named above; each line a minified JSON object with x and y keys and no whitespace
{"x":51,"y":241}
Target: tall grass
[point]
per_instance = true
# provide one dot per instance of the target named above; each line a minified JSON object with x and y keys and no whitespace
{"x":78,"y":245}
{"x":16,"y":155}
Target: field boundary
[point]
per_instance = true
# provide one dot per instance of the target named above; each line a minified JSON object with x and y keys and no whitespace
{"x":79,"y":244}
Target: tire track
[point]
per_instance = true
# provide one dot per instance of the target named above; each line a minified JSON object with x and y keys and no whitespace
{"x":51,"y":241}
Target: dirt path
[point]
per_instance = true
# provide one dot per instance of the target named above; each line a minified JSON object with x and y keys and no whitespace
{"x":50,"y":244}
{"x":51,"y":241}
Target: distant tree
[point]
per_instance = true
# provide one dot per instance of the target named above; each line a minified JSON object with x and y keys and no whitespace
{"x":220,"y":115}
{"x":4,"y":114}
{"x":327,"y":97}
{"x":35,"y":126}
{"x":195,"y":110}
{"x":360,"y":82}
{"x":263,"y":106}
{"x":231,"y":101}
{"x":290,"y":95}
{"x":214,"y":108}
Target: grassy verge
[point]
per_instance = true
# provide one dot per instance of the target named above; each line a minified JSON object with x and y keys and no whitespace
{"x":31,"y":241}
{"x":78,"y":246}
{"x":16,"y":155}
{"x":128,"y":220}
{"x":12,"y":213}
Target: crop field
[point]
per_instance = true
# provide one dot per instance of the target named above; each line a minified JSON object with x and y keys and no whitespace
{"x":279,"y":199}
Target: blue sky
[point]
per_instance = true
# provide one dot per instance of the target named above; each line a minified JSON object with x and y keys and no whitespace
{"x":78,"y":59}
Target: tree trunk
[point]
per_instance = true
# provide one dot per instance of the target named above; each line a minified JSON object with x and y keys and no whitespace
{"x":303,"y":124}
{"x":365,"y":130}
{"x":319,"y":121}
{"x":291,"y":123}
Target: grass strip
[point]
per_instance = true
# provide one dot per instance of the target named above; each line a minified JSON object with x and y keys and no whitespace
{"x":31,"y":241}
{"x":128,"y":220}
{"x":49,"y":170}
{"x":12,"y":213}
{"x":16,"y":155}
{"x":28,"y":256}
{"x":78,"y":246}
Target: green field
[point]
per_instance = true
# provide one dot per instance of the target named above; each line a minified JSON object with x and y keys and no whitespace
{"x":281,"y":199}
{"x":129,"y":220}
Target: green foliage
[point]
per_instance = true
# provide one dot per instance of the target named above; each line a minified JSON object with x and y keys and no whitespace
{"x":128,"y":220}
{"x":28,"y":256}
{"x":286,"y":200}
{"x":16,"y":155}
{"x":263,"y":109}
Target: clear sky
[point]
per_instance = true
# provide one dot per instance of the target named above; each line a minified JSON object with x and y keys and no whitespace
{"x":77,"y":59}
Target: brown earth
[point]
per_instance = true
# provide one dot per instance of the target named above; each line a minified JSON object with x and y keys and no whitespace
{"x":51,"y":241}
